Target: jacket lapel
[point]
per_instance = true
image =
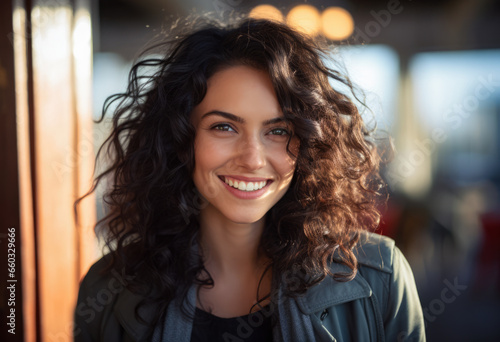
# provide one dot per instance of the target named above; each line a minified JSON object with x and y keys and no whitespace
{"x":325,"y":294}
{"x":124,"y":311}
{"x":179,"y":328}
{"x":331,"y":292}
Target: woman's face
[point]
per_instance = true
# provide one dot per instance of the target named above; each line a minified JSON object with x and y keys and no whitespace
{"x":242,"y":167}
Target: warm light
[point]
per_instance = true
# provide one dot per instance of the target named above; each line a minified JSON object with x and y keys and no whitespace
{"x":337,"y":23}
{"x":304,"y":18}
{"x":266,"y":12}
{"x":51,"y":32}
{"x":82,"y":35}
{"x":24,"y":164}
{"x":82,"y":57}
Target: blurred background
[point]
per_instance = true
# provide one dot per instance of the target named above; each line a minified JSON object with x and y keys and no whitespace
{"x":431,"y":75}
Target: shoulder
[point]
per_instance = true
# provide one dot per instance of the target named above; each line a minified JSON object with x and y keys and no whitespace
{"x":390,"y":277}
{"x":106,"y":309}
{"x":104,"y":279}
{"x":376,"y":252}
{"x":97,"y":295}
{"x":378,"y":265}
{"x":384,"y":279}
{"x":382,"y":265}
{"x":96,"y":274}
{"x":375,"y":255}
{"x":101,"y":282}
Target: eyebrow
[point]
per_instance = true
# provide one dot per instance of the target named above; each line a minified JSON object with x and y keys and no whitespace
{"x":236,"y":118}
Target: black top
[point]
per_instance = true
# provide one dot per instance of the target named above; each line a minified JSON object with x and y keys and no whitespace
{"x":253,"y":327}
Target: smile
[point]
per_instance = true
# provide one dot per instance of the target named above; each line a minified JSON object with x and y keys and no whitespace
{"x":244,"y":186}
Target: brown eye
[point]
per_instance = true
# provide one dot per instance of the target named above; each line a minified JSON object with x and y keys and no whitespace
{"x":280,"y":131}
{"x":222,"y":127}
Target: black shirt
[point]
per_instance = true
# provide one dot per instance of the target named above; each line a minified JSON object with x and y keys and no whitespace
{"x":253,"y":327}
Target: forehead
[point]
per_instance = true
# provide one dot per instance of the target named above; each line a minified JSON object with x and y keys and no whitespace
{"x":241,"y":90}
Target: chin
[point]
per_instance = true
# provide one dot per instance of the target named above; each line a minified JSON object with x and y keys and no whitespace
{"x":244,"y":218}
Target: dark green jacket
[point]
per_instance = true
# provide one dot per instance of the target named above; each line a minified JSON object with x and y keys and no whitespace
{"x":379,"y":304}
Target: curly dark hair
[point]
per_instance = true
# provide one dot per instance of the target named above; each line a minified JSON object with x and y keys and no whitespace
{"x":151,"y":224}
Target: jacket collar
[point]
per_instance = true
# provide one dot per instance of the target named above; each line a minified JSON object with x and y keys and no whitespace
{"x":330,"y":292}
{"x":321,"y":296}
{"x":327,"y":293}
{"x":124,"y":311}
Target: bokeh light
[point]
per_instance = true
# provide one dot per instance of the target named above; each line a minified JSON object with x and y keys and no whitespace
{"x":305,"y":18}
{"x":337,"y":23}
{"x":266,"y":12}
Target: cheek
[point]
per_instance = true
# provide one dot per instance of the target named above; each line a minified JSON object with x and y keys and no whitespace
{"x":292,"y":159}
{"x":203,"y":167}
{"x":202,"y":162}
{"x":284,"y":164}
{"x":208,"y":156}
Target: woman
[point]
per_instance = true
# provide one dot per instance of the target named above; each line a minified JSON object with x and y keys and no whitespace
{"x":242,"y":187}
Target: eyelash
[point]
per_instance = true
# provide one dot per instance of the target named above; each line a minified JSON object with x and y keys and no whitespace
{"x":222,"y":127}
{"x":227,"y":127}
{"x":286,"y":132}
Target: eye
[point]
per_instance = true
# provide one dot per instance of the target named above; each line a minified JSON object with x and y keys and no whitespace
{"x":222,"y":127}
{"x":280,"y":131}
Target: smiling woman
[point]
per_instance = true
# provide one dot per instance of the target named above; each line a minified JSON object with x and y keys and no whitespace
{"x":242,"y":189}
{"x":247,"y":149}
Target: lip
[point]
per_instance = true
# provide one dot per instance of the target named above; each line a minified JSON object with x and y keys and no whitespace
{"x":247,"y":195}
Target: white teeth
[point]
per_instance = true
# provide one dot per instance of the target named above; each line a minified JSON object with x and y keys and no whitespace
{"x":244,"y":186}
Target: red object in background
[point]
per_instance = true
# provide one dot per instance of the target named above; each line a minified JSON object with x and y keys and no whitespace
{"x":390,"y":220}
{"x":488,"y":273}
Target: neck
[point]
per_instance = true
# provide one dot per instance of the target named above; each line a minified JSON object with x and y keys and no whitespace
{"x":230,"y":248}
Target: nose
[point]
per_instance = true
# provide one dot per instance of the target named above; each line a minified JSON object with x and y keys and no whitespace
{"x":251,"y":154}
